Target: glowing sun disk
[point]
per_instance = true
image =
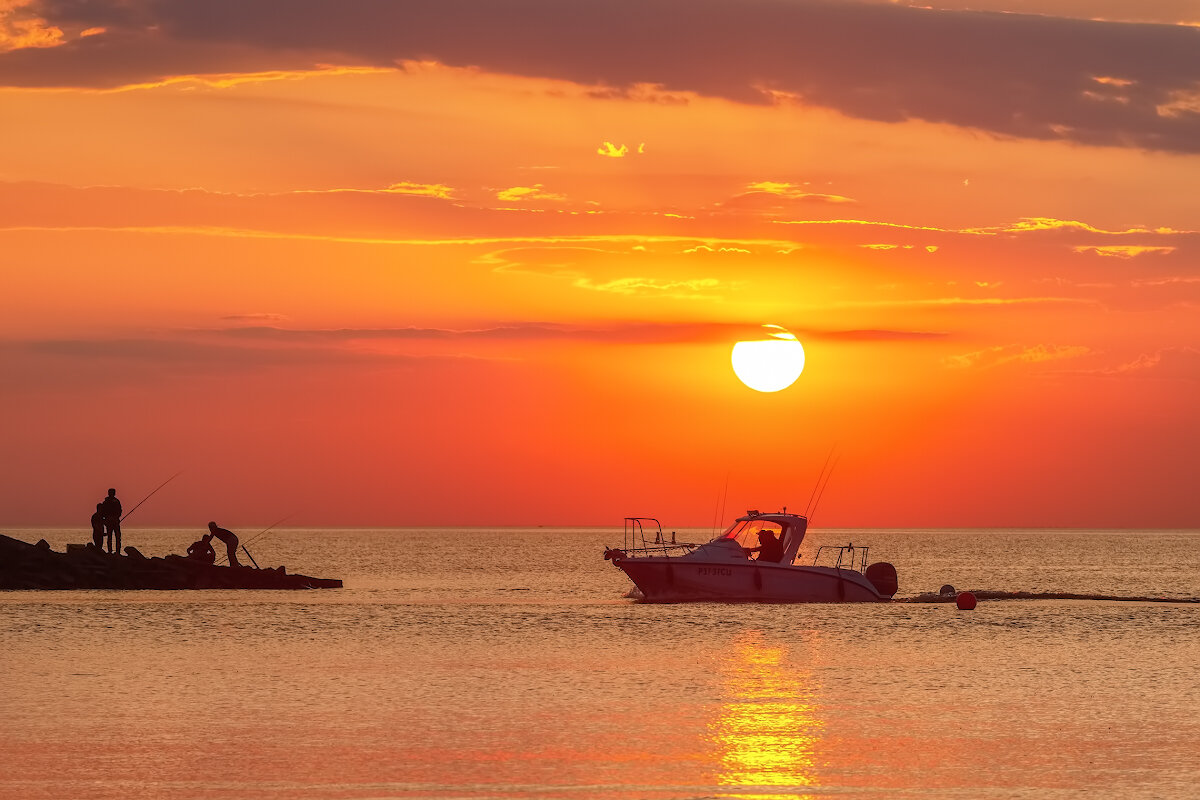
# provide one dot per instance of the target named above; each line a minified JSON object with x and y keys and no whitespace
{"x":771,"y":364}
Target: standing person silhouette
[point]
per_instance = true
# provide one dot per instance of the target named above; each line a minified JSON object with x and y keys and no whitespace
{"x":230,"y":539}
{"x":111,"y":509}
{"x":98,"y":527}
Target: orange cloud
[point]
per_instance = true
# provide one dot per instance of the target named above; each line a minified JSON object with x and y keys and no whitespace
{"x":1027,"y":224}
{"x":1169,"y":362}
{"x":521,"y":193}
{"x":610,"y":150}
{"x":698,"y":289}
{"x":1122,"y":250}
{"x":20,"y":30}
{"x":439,"y":190}
{"x":996,"y":356}
{"x":703,"y":248}
{"x":793,"y":192}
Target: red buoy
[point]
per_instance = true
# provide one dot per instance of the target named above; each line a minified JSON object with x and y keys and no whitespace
{"x":966,"y":601}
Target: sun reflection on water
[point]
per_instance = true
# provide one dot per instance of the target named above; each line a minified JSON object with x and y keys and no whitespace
{"x":768,"y":730}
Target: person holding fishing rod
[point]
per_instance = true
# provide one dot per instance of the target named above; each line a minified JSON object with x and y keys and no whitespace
{"x":110,"y":516}
{"x":232,"y":559}
{"x":110,"y":512}
{"x":229,"y":538}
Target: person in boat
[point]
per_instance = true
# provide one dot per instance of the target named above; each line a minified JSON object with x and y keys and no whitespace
{"x":111,"y":509}
{"x":770,"y":548}
{"x":98,"y":527}
{"x":229,"y":538}
{"x":202,"y":550}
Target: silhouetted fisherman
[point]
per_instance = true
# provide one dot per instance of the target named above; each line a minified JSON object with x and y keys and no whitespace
{"x":111,"y":509}
{"x":202,"y":550}
{"x":98,"y":527}
{"x":230,"y":539}
{"x":770,"y":549}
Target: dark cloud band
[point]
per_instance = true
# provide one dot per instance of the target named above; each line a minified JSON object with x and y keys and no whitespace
{"x":1037,"y":77}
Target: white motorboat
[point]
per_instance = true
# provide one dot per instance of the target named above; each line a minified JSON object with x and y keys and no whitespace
{"x":752,"y":561}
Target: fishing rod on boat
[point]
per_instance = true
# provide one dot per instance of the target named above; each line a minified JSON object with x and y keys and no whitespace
{"x":256,"y":537}
{"x":821,"y":494}
{"x":820,"y":475}
{"x":147,"y":497}
{"x":720,"y":518}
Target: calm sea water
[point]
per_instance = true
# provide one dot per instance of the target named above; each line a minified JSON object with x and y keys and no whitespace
{"x":508,"y":664}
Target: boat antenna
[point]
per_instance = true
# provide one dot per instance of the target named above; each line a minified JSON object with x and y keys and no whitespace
{"x":147,"y":497}
{"x":822,"y":492}
{"x":821,"y":475}
{"x":258,"y":535}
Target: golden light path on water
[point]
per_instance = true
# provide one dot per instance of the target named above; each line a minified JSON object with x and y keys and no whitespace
{"x":769,"y":729}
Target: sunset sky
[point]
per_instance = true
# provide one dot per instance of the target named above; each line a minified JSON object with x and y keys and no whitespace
{"x":476,"y":262}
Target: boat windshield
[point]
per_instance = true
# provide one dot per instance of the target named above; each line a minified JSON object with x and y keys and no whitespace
{"x":745,"y":532}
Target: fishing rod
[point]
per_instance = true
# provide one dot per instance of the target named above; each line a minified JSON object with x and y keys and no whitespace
{"x":147,"y":497}
{"x":820,"y":475}
{"x":719,"y":509}
{"x":256,"y":537}
{"x":822,"y":492}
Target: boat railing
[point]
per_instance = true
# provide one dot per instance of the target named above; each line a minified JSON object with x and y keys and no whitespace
{"x":848,"y":557}
{"x":644,"y":537}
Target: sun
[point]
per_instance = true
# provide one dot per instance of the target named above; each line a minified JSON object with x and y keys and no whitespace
{"x":770,"y":364}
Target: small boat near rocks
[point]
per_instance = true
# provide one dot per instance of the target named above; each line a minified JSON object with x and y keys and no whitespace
{"x":37,"y":566}
{"x":723,"y":570}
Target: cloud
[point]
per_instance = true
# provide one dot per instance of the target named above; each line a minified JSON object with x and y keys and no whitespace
{"x":1034,"y":224}
{"x":20,"y":29}
{"x":1012,"y":75}
{"x":438,"y":190}
{"x":703,"y":248}
{"x":236,"y":352}
{"x":517,"y":194}
{"x":1122,"y":250}
{"x":1169,"y":363}
{"x":1014,"y":353}
{"x":631,"y":332}
{"x":1170,"y":280}
{"x":777,"y":196}
{"x":609,"y":150}
{"x":695,"y":289}
{"x":186,"y":353}
{"x":257,"y":317}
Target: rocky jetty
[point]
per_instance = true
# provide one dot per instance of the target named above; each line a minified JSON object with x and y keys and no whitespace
{"x":36,"y":566}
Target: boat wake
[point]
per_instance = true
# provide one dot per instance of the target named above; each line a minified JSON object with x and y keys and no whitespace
{"x":932,"y":597}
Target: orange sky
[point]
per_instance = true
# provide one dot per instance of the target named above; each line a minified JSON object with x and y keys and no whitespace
{"x":482,"y":263}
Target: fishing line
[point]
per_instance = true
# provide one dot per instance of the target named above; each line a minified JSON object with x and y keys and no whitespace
{"x":147,"y":497}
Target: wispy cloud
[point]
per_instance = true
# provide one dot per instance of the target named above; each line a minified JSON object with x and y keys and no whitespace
{"x":1014,"y":353}
{"x":256,"y":317}
{"x":1168,"y":363}
{"x":624,"y":332}
{"x":1122,"y":250}
{"x":517,"y":194}
{"x":696,"y":289}
{"x":1034,"y":224}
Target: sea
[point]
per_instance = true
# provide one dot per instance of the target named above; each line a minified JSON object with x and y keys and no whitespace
{"x":511,"y":663}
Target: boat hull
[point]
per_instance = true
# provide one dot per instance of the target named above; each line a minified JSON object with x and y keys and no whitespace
{"x":683,"y":580}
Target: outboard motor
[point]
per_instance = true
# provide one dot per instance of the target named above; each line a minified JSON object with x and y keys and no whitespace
{"x":882,"y":576}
